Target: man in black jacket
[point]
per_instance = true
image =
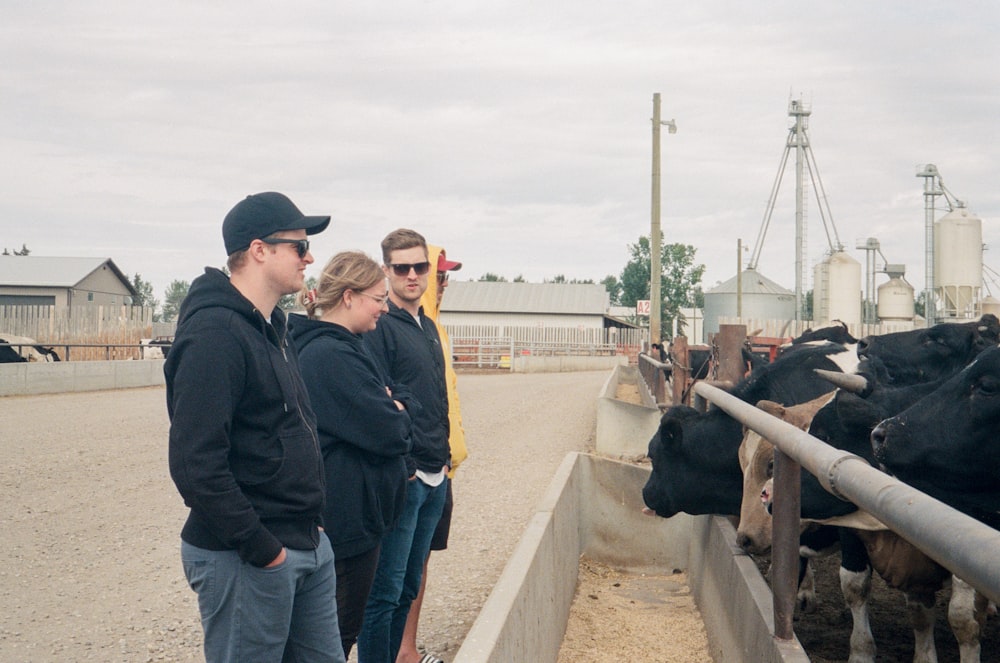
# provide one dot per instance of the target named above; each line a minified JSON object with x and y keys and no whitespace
{"x":244,"y":452}
{"x":406,"y":342}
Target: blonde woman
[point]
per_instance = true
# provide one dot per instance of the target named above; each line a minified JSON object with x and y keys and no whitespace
{"x":363,"y":424}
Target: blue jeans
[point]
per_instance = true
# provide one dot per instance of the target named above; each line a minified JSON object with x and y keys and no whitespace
{"x":400,"y":566}
{"x":284,"y":613}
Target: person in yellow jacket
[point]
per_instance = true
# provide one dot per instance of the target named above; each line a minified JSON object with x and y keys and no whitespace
{"x":431,"y":303}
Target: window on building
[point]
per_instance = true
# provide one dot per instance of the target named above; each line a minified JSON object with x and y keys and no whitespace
{"x":90,"y":296}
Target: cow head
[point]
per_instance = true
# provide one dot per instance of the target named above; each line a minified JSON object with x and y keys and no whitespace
{"x":695,"y":469}
{"x":948,"y":443}
{"x":924,"y":355}
{"x":757,"y":462}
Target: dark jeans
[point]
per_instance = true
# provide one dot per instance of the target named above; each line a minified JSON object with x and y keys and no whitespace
{"x":354,"y":582}
{"x":400,"y":567}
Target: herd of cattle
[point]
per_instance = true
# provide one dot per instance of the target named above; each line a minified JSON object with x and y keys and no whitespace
{"x":922,"y":405}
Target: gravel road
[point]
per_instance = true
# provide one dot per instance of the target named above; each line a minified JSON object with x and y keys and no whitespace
{"x":90,"y":518}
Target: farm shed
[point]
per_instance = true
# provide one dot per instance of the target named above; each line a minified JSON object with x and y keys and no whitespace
{"x":572,"y":305}
{"x":62,"y":282}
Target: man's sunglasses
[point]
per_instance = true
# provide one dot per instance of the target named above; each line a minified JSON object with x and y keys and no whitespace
{"x":301,"y":245}
{"x":403,"y":269}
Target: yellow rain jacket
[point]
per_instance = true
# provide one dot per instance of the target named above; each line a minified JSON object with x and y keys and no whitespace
{"x":456,"y":439}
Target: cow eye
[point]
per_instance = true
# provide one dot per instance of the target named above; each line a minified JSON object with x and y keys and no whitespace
{"x":987,"y":386}
{"x":770,"y":469}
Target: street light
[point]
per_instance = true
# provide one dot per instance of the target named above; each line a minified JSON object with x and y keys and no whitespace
{"x":655,"y":269}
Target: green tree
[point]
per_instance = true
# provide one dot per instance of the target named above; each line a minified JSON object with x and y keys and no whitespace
{"x":172,"y":299}
{"x":490,"y":276}
{"x":144,"y":294}
{"x":614,"y":288}
{"x":679,"y":279}
{"x":519,"y":279}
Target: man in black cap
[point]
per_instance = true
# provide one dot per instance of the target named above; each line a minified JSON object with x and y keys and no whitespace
{"x":244,"y":452}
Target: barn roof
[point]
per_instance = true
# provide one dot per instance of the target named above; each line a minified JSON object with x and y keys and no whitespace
{"x":52,"y":271}
{"x":507,"y":297}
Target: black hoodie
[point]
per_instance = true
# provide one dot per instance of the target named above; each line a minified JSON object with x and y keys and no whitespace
{"x":364,"y":437}
{"x":244,"y":452}
{"x":411,"y":354}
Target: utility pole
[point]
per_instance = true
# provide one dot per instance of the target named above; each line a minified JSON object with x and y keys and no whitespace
{"x":655,"y":240}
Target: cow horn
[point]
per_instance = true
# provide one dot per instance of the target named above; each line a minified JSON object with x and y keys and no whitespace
{"x":855,"y":384}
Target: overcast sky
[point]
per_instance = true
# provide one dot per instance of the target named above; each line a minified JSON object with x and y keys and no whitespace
{"x":515,"y":134}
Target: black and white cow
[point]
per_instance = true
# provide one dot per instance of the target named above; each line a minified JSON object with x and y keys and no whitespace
{"x":23,"y":349}
{"x":925,"y":355}
{"x":865,"y":543}
{"x":948,"y":443}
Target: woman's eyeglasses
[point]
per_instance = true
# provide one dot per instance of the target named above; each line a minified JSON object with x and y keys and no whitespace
{"x":301,"y":245}
{"x":403,"y":269}
{"x":382,"y":301}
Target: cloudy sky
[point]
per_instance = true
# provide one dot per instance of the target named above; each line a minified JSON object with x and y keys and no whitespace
{"x":515,"y":134}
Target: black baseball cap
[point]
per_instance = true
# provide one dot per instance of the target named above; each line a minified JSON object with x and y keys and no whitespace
{"x":263,"y":214}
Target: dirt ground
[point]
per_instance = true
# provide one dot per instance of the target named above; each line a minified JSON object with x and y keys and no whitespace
{"x":91,"y":520}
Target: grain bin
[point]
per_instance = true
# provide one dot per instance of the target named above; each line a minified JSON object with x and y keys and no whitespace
{"x":895,"y":300}
{"x":958,"y":263}
{"x":762,"y":299}
{"x":837,"y":289}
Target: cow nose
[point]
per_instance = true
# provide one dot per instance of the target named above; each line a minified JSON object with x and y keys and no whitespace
{"x":863,"y":346}
{"x":743,"y":541}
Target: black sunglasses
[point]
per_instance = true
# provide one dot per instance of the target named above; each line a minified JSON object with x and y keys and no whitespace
{"x":301,"y":245}
{"x":403,"y":269}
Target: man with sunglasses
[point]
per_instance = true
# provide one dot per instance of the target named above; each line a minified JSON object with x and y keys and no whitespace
{"x":244,"y":452}
{"x":406,"y":342}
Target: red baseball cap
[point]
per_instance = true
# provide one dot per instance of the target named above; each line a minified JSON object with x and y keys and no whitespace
{"x":445,"y":265}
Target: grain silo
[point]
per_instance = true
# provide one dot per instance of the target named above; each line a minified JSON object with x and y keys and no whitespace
{"x":837,"y":289}
{"x":958,"y":263}
{"x":895,"y":300}
{"x":760,"y":298}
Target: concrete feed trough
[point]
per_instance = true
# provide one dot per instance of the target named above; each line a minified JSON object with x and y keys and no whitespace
{"x":593,"y":508}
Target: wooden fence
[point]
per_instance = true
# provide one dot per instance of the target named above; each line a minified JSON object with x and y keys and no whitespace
{"x":93,"y":325}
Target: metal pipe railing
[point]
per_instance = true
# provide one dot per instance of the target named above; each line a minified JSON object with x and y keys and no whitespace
{"x":963,"y":545}
{"x":654,"y":373}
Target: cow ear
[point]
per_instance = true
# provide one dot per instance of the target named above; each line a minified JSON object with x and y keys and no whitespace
{"x":772,"y":408}
{"x":671,"y":432}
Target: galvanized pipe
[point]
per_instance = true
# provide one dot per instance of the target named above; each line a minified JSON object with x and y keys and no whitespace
{"x":963,"y":545}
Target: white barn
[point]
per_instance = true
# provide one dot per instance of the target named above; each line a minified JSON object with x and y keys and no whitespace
{"x":566,"y":305}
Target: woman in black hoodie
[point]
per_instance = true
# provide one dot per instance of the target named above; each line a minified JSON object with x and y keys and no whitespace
{"x":363,"y":423}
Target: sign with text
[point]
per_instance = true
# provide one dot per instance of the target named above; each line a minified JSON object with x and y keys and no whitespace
{"x":642,"y":307}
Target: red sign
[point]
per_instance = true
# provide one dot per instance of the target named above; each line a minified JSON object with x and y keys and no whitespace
{"x":642,"y":307}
